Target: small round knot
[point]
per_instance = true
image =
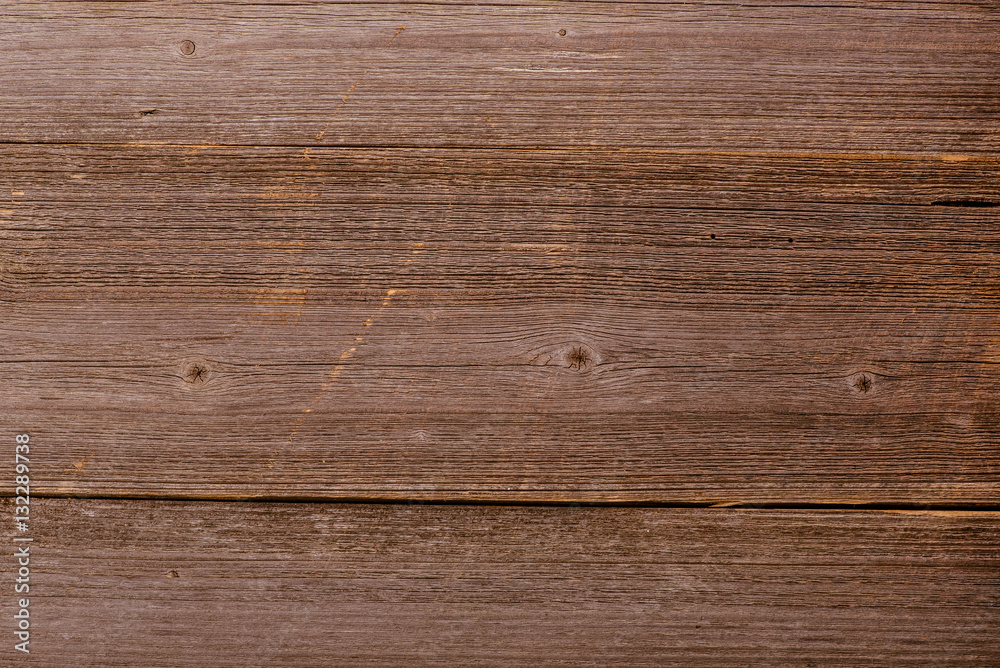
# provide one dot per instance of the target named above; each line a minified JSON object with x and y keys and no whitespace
{"x":187,"y":47}
{"x":562,"y":32}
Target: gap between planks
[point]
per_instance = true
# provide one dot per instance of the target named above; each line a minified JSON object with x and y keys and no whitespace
{"x":958,"y":508}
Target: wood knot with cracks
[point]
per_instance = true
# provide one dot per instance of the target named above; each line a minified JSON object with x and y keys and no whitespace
{"x":148,"y":112}
{"x":173,"y":574}
{"x":863,"y":384}
{"x":579,"y":358}
{"x":195,"y":373}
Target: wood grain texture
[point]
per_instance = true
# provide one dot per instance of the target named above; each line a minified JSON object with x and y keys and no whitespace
{"x":280,"y":180}
{"x":520,"y":254}
{"x":503,"y":325}
{"x":125,"y":583}
{"x":876,"y":77}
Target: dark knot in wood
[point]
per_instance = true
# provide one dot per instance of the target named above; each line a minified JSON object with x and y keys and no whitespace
{"x":196,"y":372}
{"x":579,"y":358}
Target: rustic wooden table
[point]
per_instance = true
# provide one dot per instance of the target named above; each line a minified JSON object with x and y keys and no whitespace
{"x":514,"y":333}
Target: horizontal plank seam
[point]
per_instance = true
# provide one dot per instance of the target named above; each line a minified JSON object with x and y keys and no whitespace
{"x":906,"y":5}
{"x":625,"y":365}
{"x":737,"y":505}
{"x":568,"y":3}
{"x":749,"y":206}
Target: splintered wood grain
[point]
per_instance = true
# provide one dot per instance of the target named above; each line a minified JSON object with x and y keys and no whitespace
{"x":874,"y":77}
{"x":502,"y":325}
{"x":153,"y":583}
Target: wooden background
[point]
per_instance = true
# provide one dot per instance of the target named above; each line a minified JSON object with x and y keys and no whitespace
{"x":512,"y":333}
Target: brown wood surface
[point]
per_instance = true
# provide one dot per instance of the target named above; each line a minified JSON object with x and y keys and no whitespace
{"x":856,"y":76}
{"x":450,"y":324}
{"x":157,"y":583}
{"x":514,"y":257}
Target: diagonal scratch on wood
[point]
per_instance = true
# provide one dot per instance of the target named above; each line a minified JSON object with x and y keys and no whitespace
{"x":340,"y":365}
{"x":347,"y":95}
{"x":396,"y":34}
{"x":343,"y":101}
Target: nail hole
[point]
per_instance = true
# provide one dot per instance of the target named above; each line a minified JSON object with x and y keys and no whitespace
{"x":713,"y":236}
{"x":187,"y":47}
{"x":790,"y":240}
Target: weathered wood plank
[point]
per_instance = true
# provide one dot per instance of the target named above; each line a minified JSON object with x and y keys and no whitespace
{"x":568,"y":252}
{"x":283,"y":180}
{"x":884,"y":256}
{"x":193,"y":584}
{"x":671,"y":457}
{"x":632,"y":424}
{"x":357,"y":330}
{"x":873,"y":77}
{"x":768,"y":229}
